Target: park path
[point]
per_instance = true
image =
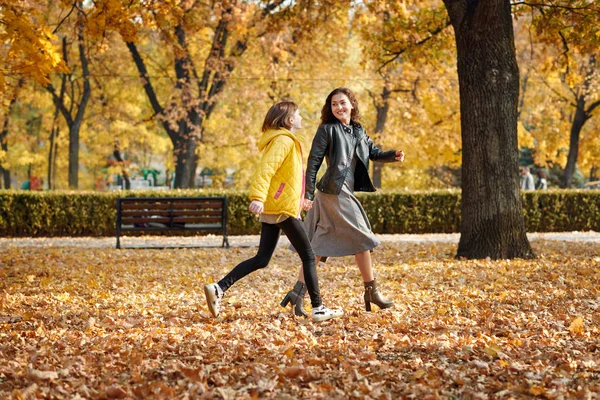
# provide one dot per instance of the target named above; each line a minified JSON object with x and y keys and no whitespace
{"x":252,"y":240}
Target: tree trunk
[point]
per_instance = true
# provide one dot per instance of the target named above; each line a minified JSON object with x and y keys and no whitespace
{"x":578,"y":121}
{"x":75,"y":128}
{"x":4,"y":133}
{"x":382,"y":107}
{"x":52,"y":156}
{"x":4,"y":143}
{"x":492,"y":223}
{"x":581,"y":116}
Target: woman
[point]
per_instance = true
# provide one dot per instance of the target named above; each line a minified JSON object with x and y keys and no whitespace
{"x":336,"y":223}
{"x":542,"y":183}
{"x":276,"y":194}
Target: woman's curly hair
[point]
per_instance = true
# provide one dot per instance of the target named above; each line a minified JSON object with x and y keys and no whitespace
{"x":327,"y":114}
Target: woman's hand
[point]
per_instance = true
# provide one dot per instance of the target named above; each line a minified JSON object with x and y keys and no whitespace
{"x":256,"y":207}
{"x":306,"y":204}
{"x":399,"y":155}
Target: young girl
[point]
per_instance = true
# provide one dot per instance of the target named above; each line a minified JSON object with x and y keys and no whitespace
{"x":277,"y":191}
{"x":336,"y":222}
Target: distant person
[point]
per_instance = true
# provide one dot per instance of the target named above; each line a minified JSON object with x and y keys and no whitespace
{"x":277,"y":192}
{"x":542,"y":183}
{"x":526,"y":179}
{"x":336,"y":223}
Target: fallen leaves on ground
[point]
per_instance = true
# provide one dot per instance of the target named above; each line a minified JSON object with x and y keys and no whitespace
{"x":111,"y":324}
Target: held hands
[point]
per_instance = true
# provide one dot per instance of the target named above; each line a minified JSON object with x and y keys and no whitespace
{"x":399,"y":155}
{"x":256,"y":207}
{"x":306,"y":204}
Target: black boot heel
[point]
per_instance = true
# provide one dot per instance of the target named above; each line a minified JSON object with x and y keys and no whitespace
{"x":287,"y":299}
{"x":296,"y":298}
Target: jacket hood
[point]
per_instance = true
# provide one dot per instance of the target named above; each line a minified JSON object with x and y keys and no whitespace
{"x":271,"y":134}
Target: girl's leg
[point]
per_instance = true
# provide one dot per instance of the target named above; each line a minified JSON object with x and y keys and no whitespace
{"x":301,"y":272}
{"x":295,"y":232}
{"x":269,"y":236}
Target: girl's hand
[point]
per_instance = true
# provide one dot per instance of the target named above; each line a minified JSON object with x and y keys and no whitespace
{"x":256,"y":207}
{"x":306,"y":204}
{"x":399,"y":155}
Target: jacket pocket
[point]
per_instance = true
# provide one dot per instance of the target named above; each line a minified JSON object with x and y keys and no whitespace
{"x":278,"y":192}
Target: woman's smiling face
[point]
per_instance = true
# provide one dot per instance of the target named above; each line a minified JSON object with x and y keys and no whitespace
{"x":341,"y":108}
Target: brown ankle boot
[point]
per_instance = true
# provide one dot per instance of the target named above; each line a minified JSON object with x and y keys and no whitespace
{"x":296,"y":297}
{"x":372,"y":295}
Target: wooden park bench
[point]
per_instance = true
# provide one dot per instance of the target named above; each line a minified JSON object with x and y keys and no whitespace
{"x":171,"y":214}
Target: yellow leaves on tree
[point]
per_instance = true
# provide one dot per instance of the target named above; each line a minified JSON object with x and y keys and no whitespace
{"x":27,"y":48}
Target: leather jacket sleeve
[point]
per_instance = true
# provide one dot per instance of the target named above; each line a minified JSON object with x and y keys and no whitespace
{"x":376,"y":154}
{"x":317,"y":153}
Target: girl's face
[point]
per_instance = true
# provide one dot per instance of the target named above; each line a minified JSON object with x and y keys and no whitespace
{"x":341,"y":107}
{"x":296,"y":121}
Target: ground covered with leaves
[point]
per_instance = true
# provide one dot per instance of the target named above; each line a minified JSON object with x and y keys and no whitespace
{"x":106,"y":323}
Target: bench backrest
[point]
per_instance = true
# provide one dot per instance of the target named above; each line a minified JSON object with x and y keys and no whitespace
{"x":172,"y":211}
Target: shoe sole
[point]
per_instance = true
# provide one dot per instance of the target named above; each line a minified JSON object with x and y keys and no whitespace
{"x":211,"y":307}
{"x":321,"y":318}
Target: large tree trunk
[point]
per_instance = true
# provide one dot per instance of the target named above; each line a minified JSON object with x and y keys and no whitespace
{"x":492,"y":223}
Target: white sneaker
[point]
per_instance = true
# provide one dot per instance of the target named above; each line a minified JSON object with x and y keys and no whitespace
{"x":214,"y":294}
{"x":323,"y":313}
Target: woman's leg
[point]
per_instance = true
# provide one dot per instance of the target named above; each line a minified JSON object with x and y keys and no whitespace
{"x":372,"y":294}
{"x":269,"y":236}
{"x":295,"y":232}
{"x":363,"y":260}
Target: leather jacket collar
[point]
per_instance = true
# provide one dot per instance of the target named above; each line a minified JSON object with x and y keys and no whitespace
{"x":338,"y":148}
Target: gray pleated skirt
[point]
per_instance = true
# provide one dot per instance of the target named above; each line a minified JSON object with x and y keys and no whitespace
{"x":337,"y":225}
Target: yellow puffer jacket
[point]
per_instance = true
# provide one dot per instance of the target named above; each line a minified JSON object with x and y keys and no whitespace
{"x":278,"y":181}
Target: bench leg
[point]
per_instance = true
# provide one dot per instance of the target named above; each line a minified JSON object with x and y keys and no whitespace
{"x":225,"y":242}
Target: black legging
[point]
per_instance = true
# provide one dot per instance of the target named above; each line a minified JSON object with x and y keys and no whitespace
{"x":269,"y":236}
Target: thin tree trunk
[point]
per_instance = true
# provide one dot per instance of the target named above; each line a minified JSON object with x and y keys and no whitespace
{"x":382,"y":105}
{"x":51,"y":155}
{"x":75,"y":128}
{"x":5,"y":172}
{"x":4,"y":143}
{"x":74,"y":122}
{"x":578,"y":121}
{"x":582,"y":114}
{"x":492,"y":223}
{"x":53,"y":146}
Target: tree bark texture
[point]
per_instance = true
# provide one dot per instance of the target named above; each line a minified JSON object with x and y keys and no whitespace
{"x":492,"y":223}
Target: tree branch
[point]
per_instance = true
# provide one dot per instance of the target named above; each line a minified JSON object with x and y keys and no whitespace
{"x":432,"y":34}
{"x":139,"y":62}
{"x":540,"y":5}
{"x":66,"y":16}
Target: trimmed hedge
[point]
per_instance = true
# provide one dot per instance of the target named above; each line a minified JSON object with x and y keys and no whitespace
{"x":39,"y":214}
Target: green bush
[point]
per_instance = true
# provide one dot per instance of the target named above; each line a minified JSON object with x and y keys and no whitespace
{"x":77,"y":213}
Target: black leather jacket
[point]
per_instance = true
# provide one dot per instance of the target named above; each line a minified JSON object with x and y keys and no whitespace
{"x":337,"y":147}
